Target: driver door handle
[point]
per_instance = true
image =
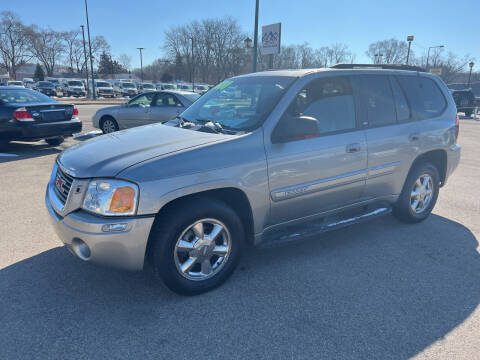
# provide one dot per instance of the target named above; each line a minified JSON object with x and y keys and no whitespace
{"x":351,"y":148}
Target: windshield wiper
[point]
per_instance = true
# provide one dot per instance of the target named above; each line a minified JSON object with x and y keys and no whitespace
{"x":183,"y":121}
{"x":216,"y":126}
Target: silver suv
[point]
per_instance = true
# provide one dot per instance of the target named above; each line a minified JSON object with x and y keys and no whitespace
{"x":260,"y":159}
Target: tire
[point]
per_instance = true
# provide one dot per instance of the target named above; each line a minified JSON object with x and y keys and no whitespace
{"x":404,"y":208}
{"x":55,"y":141}
{"x":108,"y":125}
{"x":178,"y":223}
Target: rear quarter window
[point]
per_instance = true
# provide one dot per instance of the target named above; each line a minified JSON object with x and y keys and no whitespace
{"x":424,"y":95}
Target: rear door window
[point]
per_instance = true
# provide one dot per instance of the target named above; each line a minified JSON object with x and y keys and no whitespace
{"x":401,"y":104}
{"x":424,"y":96}
{"x":376,"y":96}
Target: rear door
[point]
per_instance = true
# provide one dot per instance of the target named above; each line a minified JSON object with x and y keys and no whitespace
{"x":166,"y":106}
{"x":391,"y":132}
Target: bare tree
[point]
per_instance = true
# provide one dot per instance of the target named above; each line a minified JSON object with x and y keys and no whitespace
{"x":393,"y":51}
{"x":71,"y":46}
{"x":47,"y":46}
{"x":14,"y":45}
{"x":125,"y":60}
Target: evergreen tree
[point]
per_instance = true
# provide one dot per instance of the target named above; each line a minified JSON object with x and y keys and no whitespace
{"x":39,"y":74}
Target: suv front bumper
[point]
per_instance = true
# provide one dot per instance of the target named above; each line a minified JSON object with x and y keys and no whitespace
{"x":84,"y":236}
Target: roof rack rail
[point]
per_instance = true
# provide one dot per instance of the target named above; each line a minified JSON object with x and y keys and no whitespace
{"x":378,"y":66}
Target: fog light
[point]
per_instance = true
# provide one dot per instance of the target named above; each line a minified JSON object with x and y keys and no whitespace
{"x":114,"y":227}
{"x":81,"y":249}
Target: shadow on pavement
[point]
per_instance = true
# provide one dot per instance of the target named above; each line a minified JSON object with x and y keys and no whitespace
{"x":15,"y":151}
{"x":375,"y":290}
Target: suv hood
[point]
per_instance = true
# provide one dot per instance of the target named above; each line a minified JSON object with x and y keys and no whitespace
{"x":107,"y":155}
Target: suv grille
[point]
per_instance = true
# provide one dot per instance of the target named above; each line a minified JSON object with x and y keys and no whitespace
{"x":63,"y":183}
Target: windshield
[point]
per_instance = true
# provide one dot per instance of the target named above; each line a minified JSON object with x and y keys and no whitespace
{"x":45,"y":84}
{"x":53,"y":81}
{"x":103,"y":84}
{"x":240,"y":103}
{"x":185,"y":87}
{"x":201,"y":87}
{"x":75,"y":83}
{"x":169,"y":86}
{"x":15,"y":83}
{"x":128,"y":85}
{"x":23,"y":96}
{"x":148,"y":86}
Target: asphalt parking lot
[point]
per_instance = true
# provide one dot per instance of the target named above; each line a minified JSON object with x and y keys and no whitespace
{"x":380,"y":289}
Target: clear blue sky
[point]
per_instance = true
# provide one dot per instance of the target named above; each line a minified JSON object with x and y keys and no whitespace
{"x":141,"y":23}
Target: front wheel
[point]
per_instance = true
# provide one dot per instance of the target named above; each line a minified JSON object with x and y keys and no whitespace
{"x":419,"y":194}
{"x":55,"y":141}
{"x":197,"y":246}
{"x":108,"y":125}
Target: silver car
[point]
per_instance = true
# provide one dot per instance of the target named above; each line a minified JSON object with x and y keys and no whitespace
{"x":144,"y":109}
{"x":260,"y":158}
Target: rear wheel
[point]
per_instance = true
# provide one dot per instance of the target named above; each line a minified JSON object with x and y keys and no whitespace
{"x":108,"y":125}
{"x":55,"y":141}
{"x":197,"y":246}
{"x":419,"y":194}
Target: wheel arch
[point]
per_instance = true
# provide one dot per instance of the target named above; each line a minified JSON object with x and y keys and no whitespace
{"x":232,"y":196}
{"x":105,"y":117}
{"x":438,"y":158}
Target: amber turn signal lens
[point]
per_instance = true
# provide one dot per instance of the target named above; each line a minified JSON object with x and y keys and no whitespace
{"x":123,"y":200}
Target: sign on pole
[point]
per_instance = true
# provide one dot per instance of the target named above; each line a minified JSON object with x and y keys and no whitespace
{"x":271,"y":35}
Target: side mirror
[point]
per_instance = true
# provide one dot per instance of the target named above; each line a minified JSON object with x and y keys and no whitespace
{"x":292,"y":128}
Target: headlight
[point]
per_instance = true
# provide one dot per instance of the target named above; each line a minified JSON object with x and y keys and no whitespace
{"x":111,"y":197}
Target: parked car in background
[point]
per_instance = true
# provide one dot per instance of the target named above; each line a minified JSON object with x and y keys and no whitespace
{"x":147,"y":87}
{"x":46,"y":87}
{"x":185,"y":87}
{"x":103,"y":89}
{"x":75,"y":88}
{"x":29,"y":115}
{"x":125,"y":89}
{"x":465,"y":101}
{"x":201,"y":88}
{"x":28,"y":83}
{"x":166,"y":86}
{"x":15,"y":83}
{"x":261,"y":158}
{"x":146,"y":108}
{"x":58,"y":85}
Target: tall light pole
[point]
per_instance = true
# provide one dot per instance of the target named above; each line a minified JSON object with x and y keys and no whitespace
{"x":409,"y":39}
{"x":90,"y":52}
{"x":193,"y":69}
{"x":141,"y":62}
{"x":255,"y":38}
{"x":470,"y":74}
{"x":432,"y":47}
{"x":86,"y":61}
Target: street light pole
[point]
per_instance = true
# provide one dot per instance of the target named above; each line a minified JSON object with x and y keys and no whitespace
{"x":86,"y":61}
{"x":470,"y":75}
{"x":141,"y":62}
{"x":428,"y":54}
{"x":409,"y":39}
{"x":193,"y":69}
{"x":90,"y":52}
{"x":255,"y":38}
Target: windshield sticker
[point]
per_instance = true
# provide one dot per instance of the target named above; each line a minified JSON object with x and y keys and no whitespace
{"x":223,"y":85}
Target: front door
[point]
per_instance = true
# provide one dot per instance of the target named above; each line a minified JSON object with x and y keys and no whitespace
{"x":165,"y":107}
{"x":136,"y":112}
{"x":314,"y":175}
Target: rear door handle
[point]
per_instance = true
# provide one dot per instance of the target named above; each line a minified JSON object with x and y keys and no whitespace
{"x":351,"y":148}
{"x":414,"y":137}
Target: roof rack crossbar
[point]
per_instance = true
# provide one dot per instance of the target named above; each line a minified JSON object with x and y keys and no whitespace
{"x":378,"y":66}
